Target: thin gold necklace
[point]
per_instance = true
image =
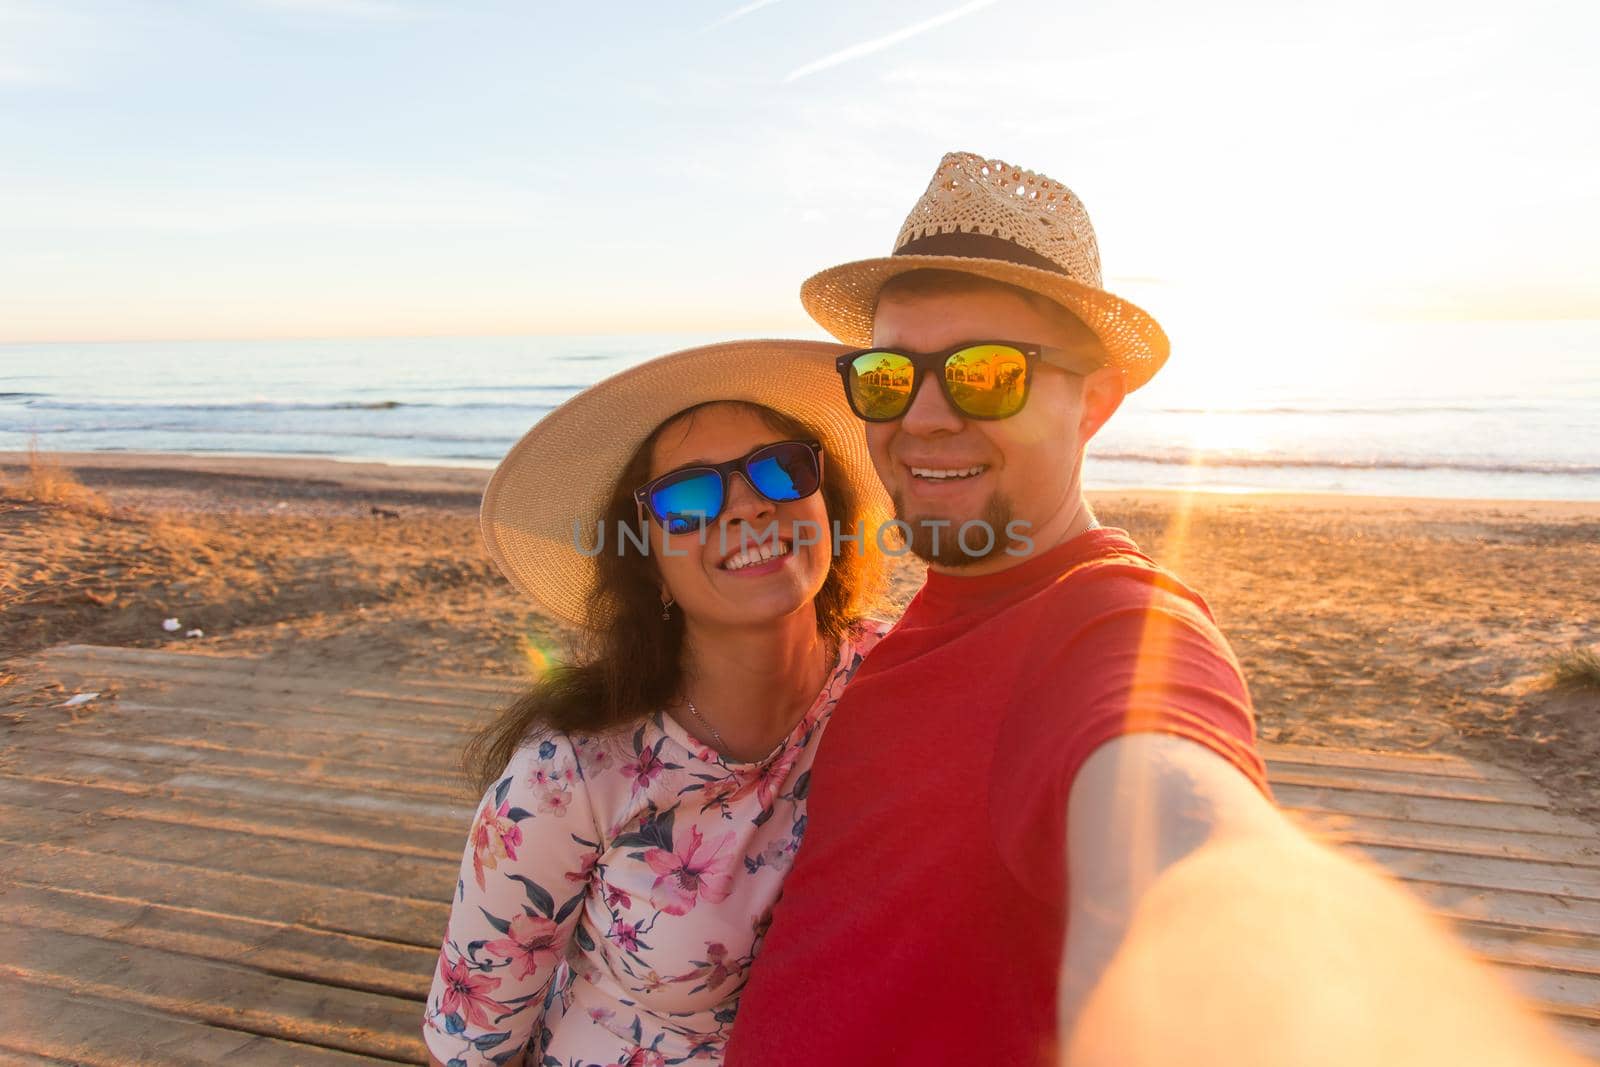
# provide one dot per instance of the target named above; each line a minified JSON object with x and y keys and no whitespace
{"x":722,"y":746}
{"x":701,"y":719}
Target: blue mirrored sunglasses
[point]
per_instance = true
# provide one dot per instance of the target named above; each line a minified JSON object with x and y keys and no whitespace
{"x":687,"y":499}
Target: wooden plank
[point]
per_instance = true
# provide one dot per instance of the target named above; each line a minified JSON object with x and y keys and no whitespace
{"x":1530,"y":911}
{"x":356,"y":691}
{"x":1446,"y":811}
{"x":331,"y":701}
{"x":265,"y":665}
{"x":341,"y":709}
{"x":87,"y":770}
{"x":166,"y":663}
{"x":331,"y":768}
{"x":89,"y":1031}
{"x":424,"y":840}
{"x":1468,"y":840}
{"x":285,"y":731}
{"x":267,"y":766}
{"x":274,"y":682}
{"x":1409,"y":784}
{"x":226,"y":852}
{"x":217,"y":994}
{"x":1538,"y":948}
{"x":339,"y":720}
{"x":342,"y":720}
{"x":381,"y":916}
{"x":1581,"y":1037}
{"x":9,"y":1058}
{"x":1575,"y":996}
{"x":1523,"y":876}
{"x":1420,"y":762}
{"x":285,"y":949}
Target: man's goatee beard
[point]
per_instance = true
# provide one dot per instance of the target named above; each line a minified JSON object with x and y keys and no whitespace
{"x":997,"y":514}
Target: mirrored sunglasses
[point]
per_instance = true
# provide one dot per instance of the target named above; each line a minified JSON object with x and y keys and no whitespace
{"x":687,"y":499}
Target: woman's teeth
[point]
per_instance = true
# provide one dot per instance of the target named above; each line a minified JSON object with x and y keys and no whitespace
{"x":749,"y":557}
{"x":947,"y":473}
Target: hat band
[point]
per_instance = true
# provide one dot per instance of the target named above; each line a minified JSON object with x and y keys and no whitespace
{"x":977,"y":246}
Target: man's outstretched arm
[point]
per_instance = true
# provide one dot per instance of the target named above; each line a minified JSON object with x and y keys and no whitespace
{"x":1204,"y":928}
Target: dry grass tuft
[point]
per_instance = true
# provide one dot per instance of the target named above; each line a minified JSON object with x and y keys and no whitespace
{"x":46,"y":481}
{"x":183,"y":541}
{"x":1576,"y":668}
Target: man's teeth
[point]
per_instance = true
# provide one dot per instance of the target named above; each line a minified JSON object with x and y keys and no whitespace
{"x":757,"y":554}
{"x":946,"y":473}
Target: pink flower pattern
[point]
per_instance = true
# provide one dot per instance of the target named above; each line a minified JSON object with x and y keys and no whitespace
{"x":495,"y":837}
{"x":591,"y":924}
{"x":465,"y":994}
{"x":616,"y":898}
{"x":644,"y":769}
{"x":625,"y":936}
{"x":715,"y":970}
{"x":692,"y":872}
{"x":527,"y":944}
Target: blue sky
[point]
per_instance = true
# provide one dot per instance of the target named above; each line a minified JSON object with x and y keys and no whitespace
{"x":236,"y":168}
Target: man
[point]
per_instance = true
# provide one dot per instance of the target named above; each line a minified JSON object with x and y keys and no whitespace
{"x":1039,"y":829}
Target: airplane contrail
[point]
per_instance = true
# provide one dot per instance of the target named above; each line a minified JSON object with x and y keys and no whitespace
{"x":737,"y":13}
{"x":866,"y":48}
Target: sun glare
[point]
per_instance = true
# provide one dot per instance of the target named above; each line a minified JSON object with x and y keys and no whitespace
{"x":1221,"y":433}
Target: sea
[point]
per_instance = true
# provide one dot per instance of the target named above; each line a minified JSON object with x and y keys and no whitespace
{"x":1487,"y":410}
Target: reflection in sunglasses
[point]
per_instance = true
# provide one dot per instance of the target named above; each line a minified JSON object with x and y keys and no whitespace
{"x":687,"y":499}
{"x":987,"y":380}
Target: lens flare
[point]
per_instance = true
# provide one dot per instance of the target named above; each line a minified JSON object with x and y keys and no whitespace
{"x":537,"y":657}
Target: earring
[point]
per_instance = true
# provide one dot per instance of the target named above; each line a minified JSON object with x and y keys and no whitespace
{"x":666,"y":609}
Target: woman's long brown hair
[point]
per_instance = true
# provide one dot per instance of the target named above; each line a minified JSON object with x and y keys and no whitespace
{"x":632,"y":660}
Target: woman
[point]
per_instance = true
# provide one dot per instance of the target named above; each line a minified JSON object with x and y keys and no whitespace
{"x":642,"y":806}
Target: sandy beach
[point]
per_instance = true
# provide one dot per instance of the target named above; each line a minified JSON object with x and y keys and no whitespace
{"x":1405,"y":624}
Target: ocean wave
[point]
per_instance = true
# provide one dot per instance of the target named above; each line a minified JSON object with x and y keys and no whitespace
{"x":275,"y":406}
{"x":243,"y":405}
{"x":509,"y":387}
{"x":1376,"y":409}
{"x":1212,"y":461}
{"x":420,"y":436}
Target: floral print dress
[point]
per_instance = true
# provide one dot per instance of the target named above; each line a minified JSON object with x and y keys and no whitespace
{"x":614,"y":891}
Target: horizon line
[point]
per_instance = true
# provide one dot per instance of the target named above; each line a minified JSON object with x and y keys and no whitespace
{"x":775,"y":330}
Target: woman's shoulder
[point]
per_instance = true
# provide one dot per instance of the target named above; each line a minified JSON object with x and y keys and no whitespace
{"x":865,"y":632}
{"x":605,"y":771}
{"x":560,"y":755}
{"x":544,"y":775}
{"x":859,"y":638}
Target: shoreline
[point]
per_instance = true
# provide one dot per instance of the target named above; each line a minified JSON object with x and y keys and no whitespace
{"x":375,"y":476}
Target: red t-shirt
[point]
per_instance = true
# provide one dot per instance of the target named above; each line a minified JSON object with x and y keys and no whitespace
{"x":923,"y":919}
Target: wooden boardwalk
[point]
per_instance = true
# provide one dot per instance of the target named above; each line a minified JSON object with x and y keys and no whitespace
{"x":226,"y":862}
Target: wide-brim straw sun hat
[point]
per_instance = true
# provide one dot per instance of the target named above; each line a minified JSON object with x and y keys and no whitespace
{"x":562,"y":472}
{"x":994,"y":220}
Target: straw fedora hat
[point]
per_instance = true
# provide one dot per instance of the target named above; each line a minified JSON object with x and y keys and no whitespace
{"x":562,"y":472}
{"x":986,"y":217}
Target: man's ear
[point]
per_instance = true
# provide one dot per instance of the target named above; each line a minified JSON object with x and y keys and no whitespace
{"x":1103,"y":390}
